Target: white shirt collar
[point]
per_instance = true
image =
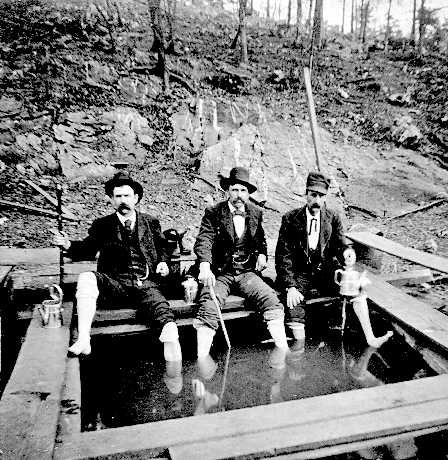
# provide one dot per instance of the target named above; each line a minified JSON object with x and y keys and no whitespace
{"x":132,"y":218}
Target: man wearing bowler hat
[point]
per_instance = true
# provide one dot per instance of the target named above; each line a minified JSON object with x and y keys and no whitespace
{"x":231,"y":251}
{"x":132,"y":257}
{"x":310,"y":242}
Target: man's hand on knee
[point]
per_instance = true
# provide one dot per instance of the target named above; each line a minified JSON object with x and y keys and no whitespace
{"x":206,"y":276}
{"x":162,"y":269}
{"x":293,"y":298}
{"x":261,"y":263}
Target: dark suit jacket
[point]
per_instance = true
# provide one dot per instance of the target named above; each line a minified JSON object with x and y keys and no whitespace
{"x":292,"y":254}
{"x":215,"y":240}
{"x":105,"y":237}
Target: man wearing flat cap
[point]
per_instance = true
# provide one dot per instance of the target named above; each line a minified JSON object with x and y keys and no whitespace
{"x":132,"y":257}
{"x":310,"y":241}
{"x":231,"y":251}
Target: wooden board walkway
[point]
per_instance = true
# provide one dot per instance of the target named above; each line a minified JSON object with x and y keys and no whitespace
{"x":396,"y":249}
{"x":409,"y":311}
{"x":29,"y":408}
{"x":294,"y":426}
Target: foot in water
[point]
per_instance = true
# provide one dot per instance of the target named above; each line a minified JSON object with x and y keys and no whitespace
{"x":376,"y":342}
{"x":205,"y":400}
{"x":81,"y":347}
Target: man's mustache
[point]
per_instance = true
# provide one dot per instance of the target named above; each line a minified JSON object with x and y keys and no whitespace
{"x":315,"y":206}
{"x":123,"y":206}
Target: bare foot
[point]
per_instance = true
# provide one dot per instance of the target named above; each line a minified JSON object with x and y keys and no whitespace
{"x":376,"y":342}
{"x":81,"y":347}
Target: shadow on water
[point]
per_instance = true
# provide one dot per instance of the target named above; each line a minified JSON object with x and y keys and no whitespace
{"x":126,"y":381}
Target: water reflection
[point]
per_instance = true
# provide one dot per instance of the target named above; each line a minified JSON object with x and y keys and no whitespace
{"x":122,"y":388}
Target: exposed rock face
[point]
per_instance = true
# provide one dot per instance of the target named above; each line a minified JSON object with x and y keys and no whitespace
{"x":405,"y":132}
{"x":279,"y":158}
{"x":84,"y":143}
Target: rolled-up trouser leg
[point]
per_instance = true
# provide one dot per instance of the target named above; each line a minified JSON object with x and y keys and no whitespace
{"x":207,"y":314}
{"x":153,"y":305}
{"x":86,"y":297}
{"x":170,"y":339}
{"x":265,"y":299}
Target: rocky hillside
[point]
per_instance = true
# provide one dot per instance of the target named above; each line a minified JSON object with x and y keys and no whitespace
{"x":78,"y":94}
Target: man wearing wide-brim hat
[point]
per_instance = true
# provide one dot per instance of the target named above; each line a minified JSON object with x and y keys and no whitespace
{"x":132,"y":257}
{"x":310,"y":247}
{"x":231,"y":251}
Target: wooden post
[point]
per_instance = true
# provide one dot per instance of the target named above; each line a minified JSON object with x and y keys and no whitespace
{"x":312,"y":114}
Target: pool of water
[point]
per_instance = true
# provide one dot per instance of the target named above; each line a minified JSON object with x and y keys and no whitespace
{"x":126,"y":381}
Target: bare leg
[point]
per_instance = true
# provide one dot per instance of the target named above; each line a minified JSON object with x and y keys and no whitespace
{"x":86,"y":296}
{"x":276,"y":328}
{"x":170,"y":339}
{"x":362,"y":312}
{"x":204,"y":339}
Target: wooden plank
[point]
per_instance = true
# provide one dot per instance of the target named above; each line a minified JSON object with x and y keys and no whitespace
{"x":421,"y":404}
{"x":4,"y":271}
{"x":35,"y":209}
{"x":15,"y":256}
{"x":70,"y":411}
{"x":408,"y":278}
{"x":179,"y":307}
{"x":401,"y":420}
{"x":338,"y":449}
{"x":138,"y":328}
{"x":29,"y":408}
{"x":396,"y":249}
{"x":436,"y":361}
{"x":50,"y":199}
{"x":416,"y":315}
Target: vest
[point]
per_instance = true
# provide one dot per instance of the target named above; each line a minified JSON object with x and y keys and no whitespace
{"x":241,"y":255}
{"x":136,"y":263}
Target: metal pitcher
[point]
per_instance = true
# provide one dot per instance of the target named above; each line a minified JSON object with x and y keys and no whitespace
{"x":348,"y":282}
{"x":190,"y":290}
{"x":51,"y":309}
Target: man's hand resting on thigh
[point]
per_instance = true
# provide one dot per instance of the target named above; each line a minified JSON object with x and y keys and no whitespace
{"x":206,"y":276}
{"x":293,"y":298}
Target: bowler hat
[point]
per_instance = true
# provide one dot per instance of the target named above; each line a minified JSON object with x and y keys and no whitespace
{"x":238,"y":175}
{"x":120,"y":179}
{"x":317,"y":182}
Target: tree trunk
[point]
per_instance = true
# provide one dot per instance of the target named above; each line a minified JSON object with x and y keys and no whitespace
{"x":317,"y":25}
{"x":343,"y":16}
{"x":298,"y":19}
{"x":361,"y":19}
{"x":288,"y":21}
{"x":159,"y":42}
{"x":268,"y":9}
{"x":352,"y":17}
{"x":421,"y":27}
{"x":387,"y":33}
{"x":414,"y":20}
{"x":310,"y":14}
{"x":243,"y":31}
{"x":366,"y":20}
{"x":171,"y":17}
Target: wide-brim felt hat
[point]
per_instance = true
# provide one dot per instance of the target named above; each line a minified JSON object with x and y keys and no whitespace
{"x":238,"y":175}
{"x":317,"y":182}
{"x":120,"y":179}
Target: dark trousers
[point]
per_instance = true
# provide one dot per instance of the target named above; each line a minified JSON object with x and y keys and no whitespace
{"x":123,"y":291}
{"x":250,"y":286}
{"x":317,"y":317}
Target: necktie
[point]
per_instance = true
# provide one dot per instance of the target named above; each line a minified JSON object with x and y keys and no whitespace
{"x":313,"y":221}
{"x":127,"y":226}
